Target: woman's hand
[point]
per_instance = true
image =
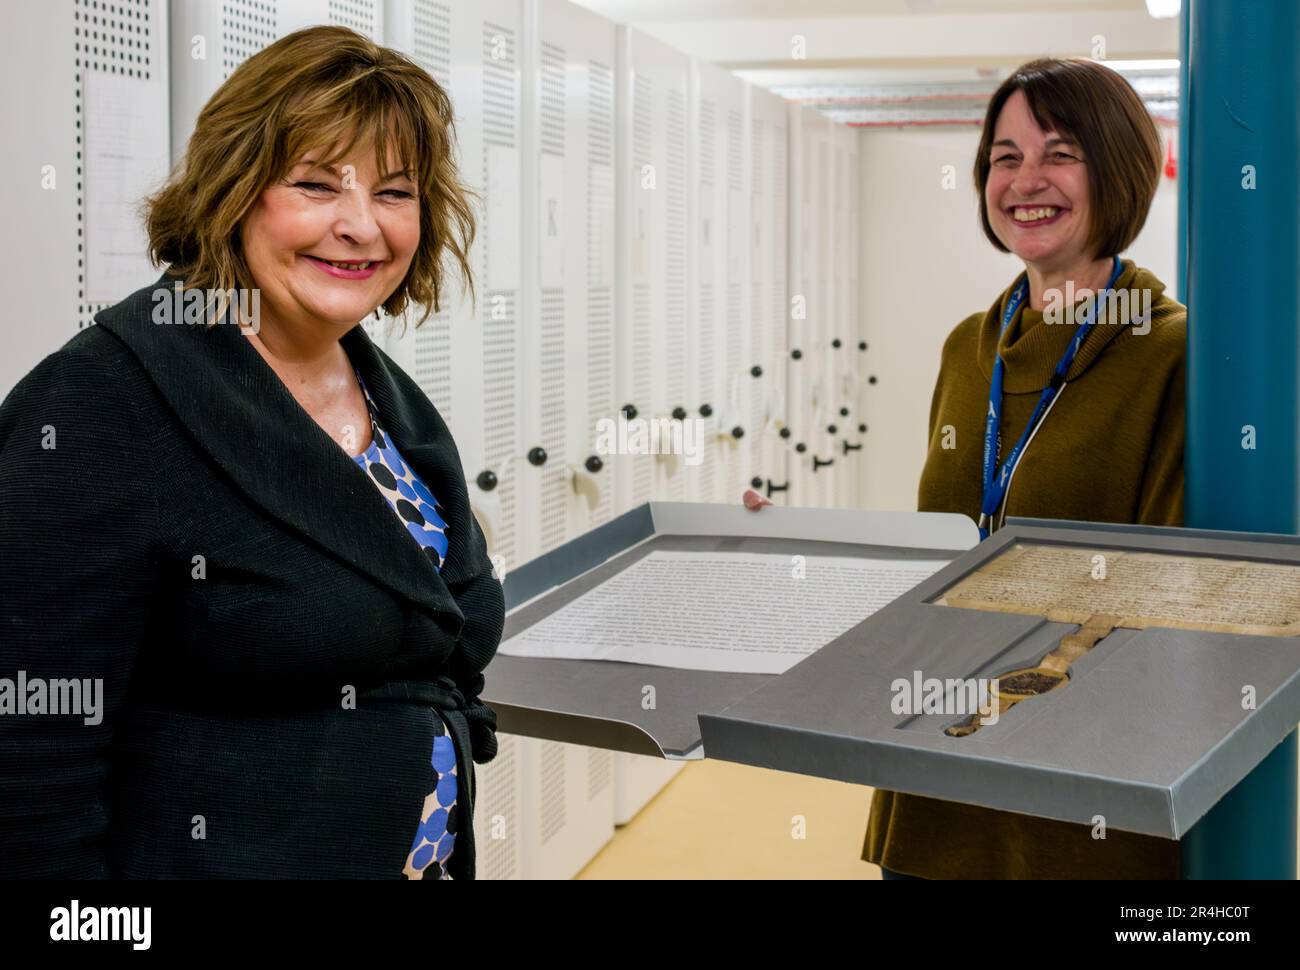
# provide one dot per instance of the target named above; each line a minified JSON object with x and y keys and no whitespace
{"x":753,"y":501}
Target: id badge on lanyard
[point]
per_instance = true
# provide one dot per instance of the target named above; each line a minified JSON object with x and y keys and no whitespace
{"x":995,"y":479}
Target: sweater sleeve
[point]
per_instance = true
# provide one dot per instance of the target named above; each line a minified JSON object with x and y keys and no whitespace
{"x":925,"y":489}
{"x":482,"y":602}
{"x":1160,"y":501}
{"x":935,"y":395}
{"x":78,"y":517}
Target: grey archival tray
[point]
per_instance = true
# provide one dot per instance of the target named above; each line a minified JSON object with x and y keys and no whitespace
{"x":1150,"y":733}
{"x":599,"y":703}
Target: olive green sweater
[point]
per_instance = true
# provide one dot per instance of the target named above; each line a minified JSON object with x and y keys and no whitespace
{"x":1110,"y":450}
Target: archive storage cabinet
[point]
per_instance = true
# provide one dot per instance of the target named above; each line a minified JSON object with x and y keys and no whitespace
{"x":653,"y":185}
{"x":823,"y":328}
{"x":717,"y":346}
{"x":769,"y":308}
{"x":568,"y":231}
{"x":531,"y":83}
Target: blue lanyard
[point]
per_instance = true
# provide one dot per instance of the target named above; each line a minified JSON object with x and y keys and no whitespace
{"x":995,"y":485}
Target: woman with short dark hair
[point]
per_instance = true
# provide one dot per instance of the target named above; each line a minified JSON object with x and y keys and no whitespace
{"x":1051,"y":406}
{"x":234,"y":514}
{"x":1067,"y":166}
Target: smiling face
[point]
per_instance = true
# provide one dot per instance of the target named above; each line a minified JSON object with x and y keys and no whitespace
{"x":1037,"y":190}
{"x":327,"y":244}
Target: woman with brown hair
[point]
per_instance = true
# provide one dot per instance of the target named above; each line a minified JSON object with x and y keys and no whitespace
{"x":1054,"y":403}
{"x":251,"y":529}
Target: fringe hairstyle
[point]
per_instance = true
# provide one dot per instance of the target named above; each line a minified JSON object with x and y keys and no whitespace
{"x":1099,"y":109}
{"x":328,"y":89}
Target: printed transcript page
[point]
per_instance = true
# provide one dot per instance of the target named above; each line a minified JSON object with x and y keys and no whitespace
{"x":728,"y":612}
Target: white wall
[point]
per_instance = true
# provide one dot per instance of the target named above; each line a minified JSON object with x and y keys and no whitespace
{"x":925,"y":266}
{"x":72,"y":245}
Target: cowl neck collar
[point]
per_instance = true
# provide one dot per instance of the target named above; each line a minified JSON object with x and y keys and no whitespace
{"x":1031,"y":347}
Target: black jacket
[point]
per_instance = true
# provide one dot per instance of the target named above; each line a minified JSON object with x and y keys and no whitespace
{"x":226,"y":747}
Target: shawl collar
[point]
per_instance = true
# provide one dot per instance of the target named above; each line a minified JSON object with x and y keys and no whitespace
{"x":240,"y":412}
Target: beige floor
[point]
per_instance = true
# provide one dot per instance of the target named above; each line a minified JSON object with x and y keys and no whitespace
{"x":723,"y":821}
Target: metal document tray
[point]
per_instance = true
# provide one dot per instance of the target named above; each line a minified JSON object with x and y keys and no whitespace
{"x":1149,"y":734}
{"x":599,"y":703}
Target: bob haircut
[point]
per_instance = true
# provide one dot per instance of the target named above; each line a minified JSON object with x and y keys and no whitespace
{"x":1101,"y":112}
{"x":322,"y":88}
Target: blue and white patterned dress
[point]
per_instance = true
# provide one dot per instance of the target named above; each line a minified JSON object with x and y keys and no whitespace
{"x":424,"y":519}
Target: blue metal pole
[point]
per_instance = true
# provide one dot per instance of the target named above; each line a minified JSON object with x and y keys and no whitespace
{"x":1184,"y":139}
{"x":1241,"y":132}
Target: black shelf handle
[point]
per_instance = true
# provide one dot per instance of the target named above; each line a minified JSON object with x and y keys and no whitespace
{"x":848,"y":447}
{"x":776,"y":488}
{"x":818,"y":463}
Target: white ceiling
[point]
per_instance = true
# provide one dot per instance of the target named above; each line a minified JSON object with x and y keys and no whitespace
{"x":644,"y":11}
{"x":862,"y":50}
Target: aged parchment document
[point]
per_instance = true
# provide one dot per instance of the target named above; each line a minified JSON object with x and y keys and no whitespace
{"x":1069,"y":584}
